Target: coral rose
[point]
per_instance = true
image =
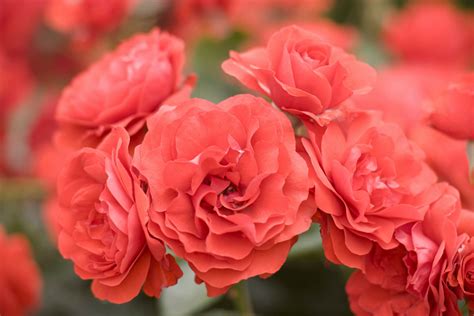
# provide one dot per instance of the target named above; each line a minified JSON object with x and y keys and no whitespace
{"x":302,"y":73}
{"x":101,"y":198}
{"x":463,"y":272}
{"x":86,"y":19}
{"x":431,"y":246}
{"x":429,"y":33}
{"x":416,"y":277}
{"x":228,"y":187}
{"x":20,"y":280}
{"x":121,"y":89}
{"x":366,"y":176}
{"x":453,"y":111}
{"x":366,"y":298}
{"x":442,"y":153}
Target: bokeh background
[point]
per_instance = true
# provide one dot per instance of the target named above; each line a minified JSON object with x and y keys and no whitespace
{"x":45,"y":43}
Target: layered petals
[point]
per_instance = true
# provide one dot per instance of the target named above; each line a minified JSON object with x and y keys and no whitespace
{"x":229,"y":189}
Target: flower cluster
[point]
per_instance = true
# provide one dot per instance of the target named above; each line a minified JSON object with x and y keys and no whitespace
{"x":229,"y":187}
{"x":141,"y":178}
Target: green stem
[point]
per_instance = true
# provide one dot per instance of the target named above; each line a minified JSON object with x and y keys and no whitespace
{"x":241,"y":297}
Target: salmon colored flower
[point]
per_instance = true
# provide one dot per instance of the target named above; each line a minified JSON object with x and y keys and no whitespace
{"x":429,"y":33}
{"x":302,"y":73}
{"x":431,"y":246}
{"x":102,"y":202}
{"x":367,"y":176}
{"x":121,"y":89}
{"x":85,"y":20}
{"x":20,"y":279}
{"x":416,"y":277}
{"x":442,"y":153}
{"x":342,"y":36}
{"x":453,"y":111}
{"x":228,"y":187}
{"x":463,"y":272}
{"x":367,"y":299}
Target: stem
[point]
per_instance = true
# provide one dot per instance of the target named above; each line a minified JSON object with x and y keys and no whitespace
{"x":241,"y":297}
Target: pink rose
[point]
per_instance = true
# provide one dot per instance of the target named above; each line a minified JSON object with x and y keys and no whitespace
{"x":367,"y":176}
{"x":444,"y":152}
{"x":416,"y":277}
{"x":302,"y":73}
{"x":429,"y":33}
{"x":431,"y":246}
{"x":228,"y":187}
{"x":366,"y":299}
{"x":101,"y":231}
{"x":121,"y":89}
{"x":463,"y":272}
{"x":453,"y":111}
{"x":20,"y":279}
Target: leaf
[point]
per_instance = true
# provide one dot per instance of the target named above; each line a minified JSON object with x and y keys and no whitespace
{"x":186,"y":297}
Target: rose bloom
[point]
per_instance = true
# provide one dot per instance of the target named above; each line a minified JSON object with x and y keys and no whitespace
{"x":19,"y":20}
{"x":366,"y":298}
{"x":237,"y":204}
{"x":342,"y":36}
{"x":454,"y":109}
{"x":465,"y":222}
{"x":414,"y":278}
{"x":463,"y":272}
{"x":121,"y":89}
{"x":302,"y":73}
{"x":20,"y":279}
{"x":403,"y":93}
{"x":101,"y":201}
{"x":429,"y":33}
{"x":444,"y":152}
{"x":86,"y":19}
{"x":366,"y":176}
{"x":431,"y":246}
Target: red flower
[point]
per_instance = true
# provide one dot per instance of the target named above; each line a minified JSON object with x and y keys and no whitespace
{"x":367,"y":176}
{"x":429,"y":33}
{"x":101,"y":203}
{"x":236,"y":206}
{"x":416,"y":277}
{"x":367,"y":299}
{"x":121,"y":89}
{"x":302,"y":73}
{"x":20,"y":280}
{"x":86,"y":19}
{"x":463,"y":272}
{"x":454,"y":109}
{"x":19,"y":20}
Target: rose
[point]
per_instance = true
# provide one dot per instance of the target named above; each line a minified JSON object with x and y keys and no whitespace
{"x":86,"y":19}
{"x":121,"y":89}
{"x":366,"y":176}
{"x":431,"y":246}
{"x":228,"y":187}
{"x":366,"y":298}
{"x":416,"y":277}
{"x":301,"y":73}
{"x":453,"y":111}
{"x":442,"y":151}
{"x":463,"y":272}
{"x":101,"y":205}
{"x":20,"y":279}
{"x":429,"y":33}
